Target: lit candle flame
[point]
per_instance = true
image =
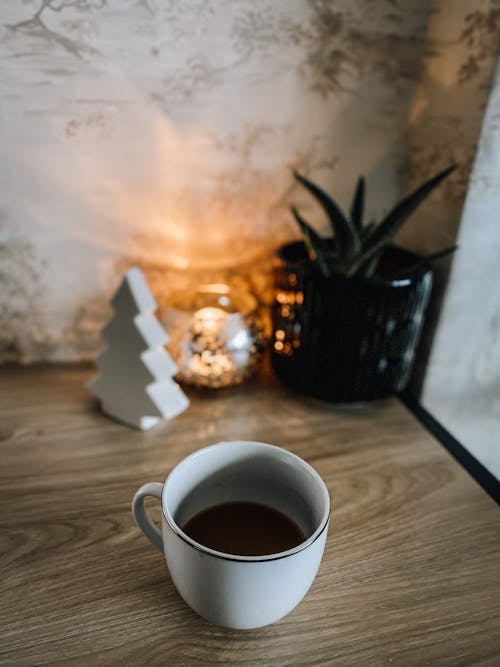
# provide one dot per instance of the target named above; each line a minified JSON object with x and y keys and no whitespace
{"x":209,"y":320}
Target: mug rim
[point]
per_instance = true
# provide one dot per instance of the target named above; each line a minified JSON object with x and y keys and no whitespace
{"x":323,"y":524}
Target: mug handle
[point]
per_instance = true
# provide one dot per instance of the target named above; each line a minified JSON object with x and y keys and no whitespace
{"x":153,"y":489}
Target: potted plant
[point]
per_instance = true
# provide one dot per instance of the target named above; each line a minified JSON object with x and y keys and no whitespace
{"x":348,"y":310}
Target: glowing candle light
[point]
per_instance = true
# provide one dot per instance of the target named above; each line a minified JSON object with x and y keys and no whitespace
{"x":216,"y":337}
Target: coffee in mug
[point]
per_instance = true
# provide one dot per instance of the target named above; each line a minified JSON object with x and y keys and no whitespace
{"x":244,"y":527}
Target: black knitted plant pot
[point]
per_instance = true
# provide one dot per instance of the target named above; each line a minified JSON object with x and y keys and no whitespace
{"x":346,"y":339}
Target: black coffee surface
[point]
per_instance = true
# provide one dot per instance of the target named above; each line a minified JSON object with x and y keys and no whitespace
{"x":244,"y":529}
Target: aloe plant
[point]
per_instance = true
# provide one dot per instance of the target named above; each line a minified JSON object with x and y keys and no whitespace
{"x":356,"y":248}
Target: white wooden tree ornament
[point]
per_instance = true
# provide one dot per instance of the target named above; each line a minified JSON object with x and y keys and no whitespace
{"x":135,"y":384}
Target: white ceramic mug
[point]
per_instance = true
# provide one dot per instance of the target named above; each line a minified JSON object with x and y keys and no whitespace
{"x":231,"y":590}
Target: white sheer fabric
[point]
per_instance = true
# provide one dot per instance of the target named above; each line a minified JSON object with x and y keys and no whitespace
{"x":462,"y":384}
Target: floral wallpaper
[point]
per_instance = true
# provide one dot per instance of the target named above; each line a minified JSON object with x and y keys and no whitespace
{"x":163,"y":134}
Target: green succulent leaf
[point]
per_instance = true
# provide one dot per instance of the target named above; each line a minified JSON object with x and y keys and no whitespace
{"x":315,"y":245}
{"x":346,"y":234}
{"x":369,"y":269}
{"x":367,"y":230}
{"x":383,"y":233}
{"x":358,"y":204}
{"x":441,"y":253}
{"x":423,"y":261}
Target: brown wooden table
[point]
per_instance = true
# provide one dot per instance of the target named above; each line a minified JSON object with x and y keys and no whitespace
{"x":411,"y":570}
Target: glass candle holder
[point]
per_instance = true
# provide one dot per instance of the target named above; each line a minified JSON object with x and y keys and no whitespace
{"x":215,"y":335}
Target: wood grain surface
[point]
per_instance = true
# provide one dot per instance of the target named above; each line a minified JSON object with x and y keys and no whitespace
{"x":411,"y":569}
